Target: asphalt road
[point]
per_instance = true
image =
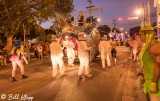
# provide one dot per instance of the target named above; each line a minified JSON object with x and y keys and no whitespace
{"x":116,"y":84}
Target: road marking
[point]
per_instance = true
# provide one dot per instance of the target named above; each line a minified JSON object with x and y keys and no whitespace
{"x":32,"y":83}
{"x":28,"y":85}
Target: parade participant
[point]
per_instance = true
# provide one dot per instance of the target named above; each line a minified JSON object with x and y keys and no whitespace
{"x":70,"y":52}
{"x":80,"y":19}
{"x":149,"y":61}
{"x":56,"y":57}
{"x":72,"y":21}
{"x":104,"y":49}
{"x":83,"y":55}
{"x":113,"y":49}
{"x":16,"y":59}
{"x":64,"y":44}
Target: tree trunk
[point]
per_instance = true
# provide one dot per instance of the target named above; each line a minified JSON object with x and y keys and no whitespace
{"x":24,"y":34}
{"x":9,"y":42}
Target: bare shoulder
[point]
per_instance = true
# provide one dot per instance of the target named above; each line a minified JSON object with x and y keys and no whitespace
{"x":155,"y":49}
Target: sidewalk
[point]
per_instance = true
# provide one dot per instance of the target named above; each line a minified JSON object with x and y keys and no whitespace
{"x":130,"y":87}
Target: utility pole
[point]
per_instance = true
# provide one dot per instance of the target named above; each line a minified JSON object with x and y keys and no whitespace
{"x":144,"y":19}
{"x":149,"y":15}
{"x":114,"y":24}
{"x":91,"y":10}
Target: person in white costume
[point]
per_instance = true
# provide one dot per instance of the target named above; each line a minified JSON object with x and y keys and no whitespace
{"x":70,"y":53}
{"x":83,"y":55}
{"x":56,"y":57}
{"x":64,"y":44}
{"x":104,"y":49}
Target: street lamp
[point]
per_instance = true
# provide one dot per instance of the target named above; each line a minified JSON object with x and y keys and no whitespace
{"x":121,"y":29}
{"x":138,"y":12}
{"x":98,"y":19}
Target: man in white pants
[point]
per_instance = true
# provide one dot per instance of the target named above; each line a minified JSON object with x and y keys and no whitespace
{"x":104,"y":49}
{"x":56,"y":57}
{"x":83,"y":54}
{"x":70,"y":53}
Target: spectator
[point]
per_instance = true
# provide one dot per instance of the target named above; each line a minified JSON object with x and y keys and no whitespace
{"x":149,"y":57}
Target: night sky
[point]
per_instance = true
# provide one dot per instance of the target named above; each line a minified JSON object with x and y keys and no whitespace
{"x":113,"y":9}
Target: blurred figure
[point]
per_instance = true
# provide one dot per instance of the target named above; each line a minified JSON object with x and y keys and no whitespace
{"x":64,"y":43}
{"x":130,"y":42}
{"x":56,"y":57}
{"x":16,"y":59}
{"x":27,"y":51}
{"x":83,"y":54}
{"x":150,"y":61}
{"x":81,"y":19}
{"x":113,"y":50}
{"x":23,"y":54}
{"x":135,"y":48}
{"x":70,"y":53}
{"x":104,"y":49}
{"x":47,"y":48}
{"x":72,"y":21}
{"x":16,"y":42}
{"x":40,"y":51}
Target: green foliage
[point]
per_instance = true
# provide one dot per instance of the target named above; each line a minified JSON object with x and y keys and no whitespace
{"x":21,"y":14}
{"x":104,"y":29}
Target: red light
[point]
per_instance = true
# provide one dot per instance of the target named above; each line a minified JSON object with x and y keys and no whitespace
{"x":129,"y":18}
{"x":119,"y":19}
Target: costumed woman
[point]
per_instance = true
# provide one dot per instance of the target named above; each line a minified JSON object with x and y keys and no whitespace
{"x":17,"y":59}
{"x":149,"y":56}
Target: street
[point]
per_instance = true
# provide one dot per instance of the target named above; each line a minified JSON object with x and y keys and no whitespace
{"x":119,"y":83}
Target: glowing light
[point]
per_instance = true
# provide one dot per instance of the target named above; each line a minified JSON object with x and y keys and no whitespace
{"x":66,"y":37}
{"x":139,"y":12}
{"x":121,"y":28}
{"x":98,"y":19}
{"x":119,"y":19}
{"x":129,"y":18}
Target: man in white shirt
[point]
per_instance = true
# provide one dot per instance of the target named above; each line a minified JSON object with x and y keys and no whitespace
{"x":104,"y":49}
{"x":70,"y":53}
{"x":83,"y":54}
{"x":56,"y":57}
